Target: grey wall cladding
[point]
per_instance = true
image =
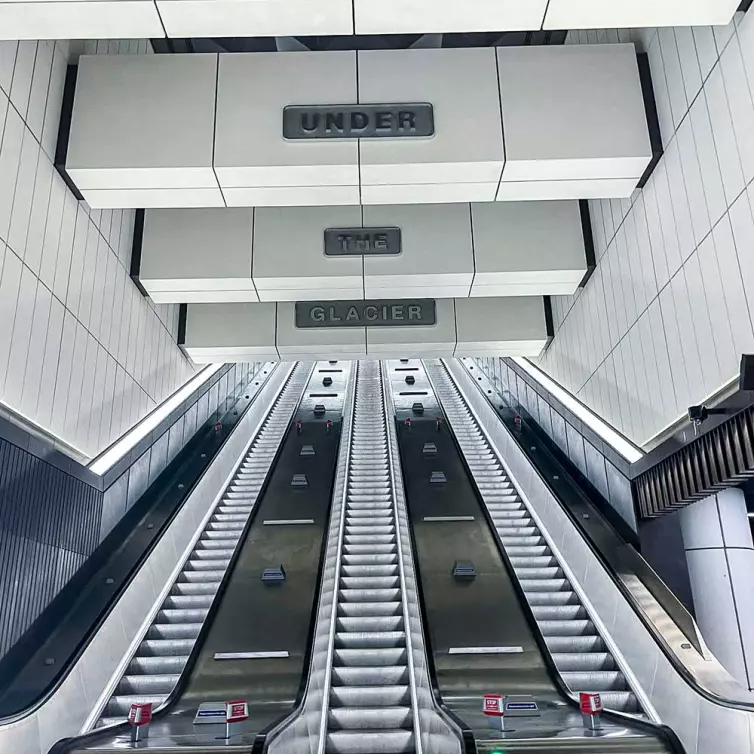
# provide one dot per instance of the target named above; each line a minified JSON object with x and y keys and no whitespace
{"x":54,"y":512}
{"x":49,"y":524}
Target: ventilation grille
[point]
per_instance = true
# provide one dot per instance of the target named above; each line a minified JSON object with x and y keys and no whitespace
{"x":721,"y":458}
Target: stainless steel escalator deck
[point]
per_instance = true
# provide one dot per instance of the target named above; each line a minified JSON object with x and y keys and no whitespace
{"x":370,"y":701}
{"x":576,"y":646}
{"x":156,"y":666}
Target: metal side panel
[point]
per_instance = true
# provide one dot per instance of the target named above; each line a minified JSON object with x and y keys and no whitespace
{"x":65,"y":713}
{"x":703,"y":726}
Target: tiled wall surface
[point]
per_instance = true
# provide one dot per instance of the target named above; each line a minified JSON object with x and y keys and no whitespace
{"x":663,"y":321}
{"x":83,"y":354}
{"x":605,"y":470}
{"x":51,"y":521}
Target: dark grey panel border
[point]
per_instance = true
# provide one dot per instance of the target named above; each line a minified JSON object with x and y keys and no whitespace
{"x":653,"y":121}
{"x":586,"y":231}
{"x":64,"y":129}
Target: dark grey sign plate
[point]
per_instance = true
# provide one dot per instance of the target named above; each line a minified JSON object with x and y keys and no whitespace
{"x":358,"y":121}
{"x":374,"y":313}
{"x":346,"y":242}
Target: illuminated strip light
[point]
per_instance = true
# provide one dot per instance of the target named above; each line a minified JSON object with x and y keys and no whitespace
{"x":615,"y":440}
{"x":134,"y":436}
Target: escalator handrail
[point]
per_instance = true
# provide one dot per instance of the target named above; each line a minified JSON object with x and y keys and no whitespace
{"x":607,"y":562}
{"x":392,"y":438}
{"x":67,"y":745}
{"x":661,"y":731}
{"x":230,"y":420}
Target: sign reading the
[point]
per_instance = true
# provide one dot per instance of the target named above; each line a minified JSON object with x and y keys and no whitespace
{"x":358,"y":121}
{"x":341,"y":242}
{"x":374,"y":313}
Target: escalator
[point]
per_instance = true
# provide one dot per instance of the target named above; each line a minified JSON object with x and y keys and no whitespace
{"x":156,"y":667}
{"x":508,"y":621}
{"x":368,"y":690}
{"x":222,"y":631}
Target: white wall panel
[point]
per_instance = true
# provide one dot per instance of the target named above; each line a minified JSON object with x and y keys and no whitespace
{"x":261,"y":18}
{"x":426,"y":17}
{"x":527,"y":246}
{"x":207,"y":255}
{"x":66,"y":300}
{"x":467,"y":147}
{"x":562,"y":144}
{"x":597,"y":14}
{"x":200,"y":250}
{"x":481,"y":326}
{"x":144,"y":123}
{"x":572,"y":113}
{"x":289,"y":262}
{"x":694,"y":239}
{"x":437,"y":259}
{"x":254,"y":164}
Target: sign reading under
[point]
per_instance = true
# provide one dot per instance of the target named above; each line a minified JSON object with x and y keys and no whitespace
{"x":375,"y":313}
{"x":358,"y":121}
{"x":340,"y":242}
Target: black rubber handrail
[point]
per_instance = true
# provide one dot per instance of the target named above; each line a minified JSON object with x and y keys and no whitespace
{"x":67,"y":745}
{"x":663,"y":732}
{"x":80,"y":609}
{"x":567,"y":491}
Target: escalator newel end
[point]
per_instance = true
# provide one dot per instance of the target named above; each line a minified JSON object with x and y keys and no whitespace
{"x":273,"y":575}
{"x":464,"y":570}
{"x":437,"y":477}
{"x":307,"y":450}
{"x":299,"y":480}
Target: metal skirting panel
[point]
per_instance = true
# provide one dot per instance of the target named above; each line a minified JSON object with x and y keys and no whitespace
{"x":721,"y":458}
{"x":49,"y":525}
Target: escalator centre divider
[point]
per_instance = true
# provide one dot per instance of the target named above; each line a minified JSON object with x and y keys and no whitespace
{"x":368,"y":688}
{"x":154,"y":669}
{"x":64,"y":712}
